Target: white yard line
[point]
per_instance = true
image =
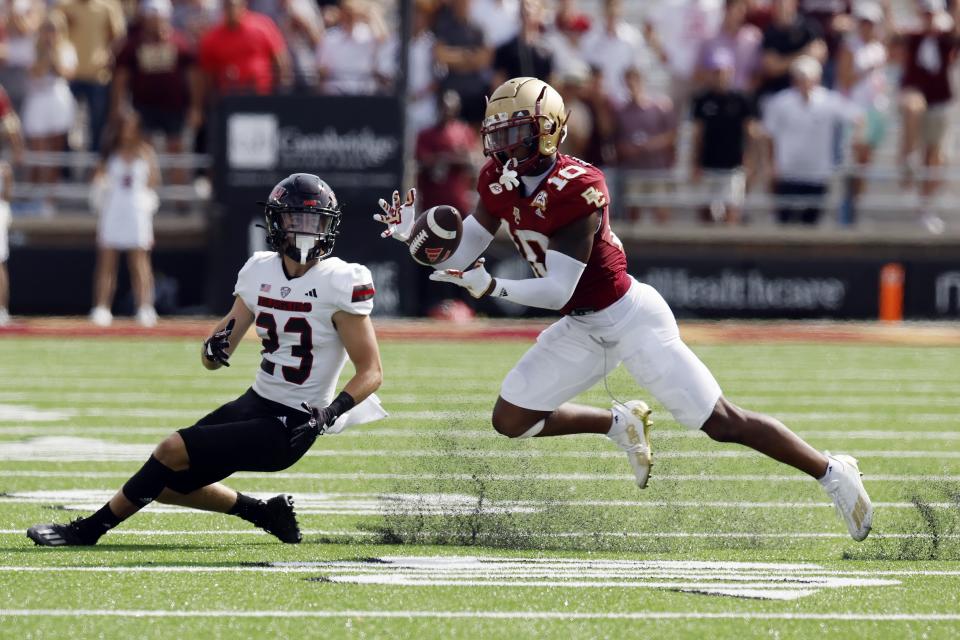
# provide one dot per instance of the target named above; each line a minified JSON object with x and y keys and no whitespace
{"x":474,"y":615}
{"x":486,"y":434}
{"x":334,"y":476}
{"x":838,"y":417}
{"x":708,"y":535}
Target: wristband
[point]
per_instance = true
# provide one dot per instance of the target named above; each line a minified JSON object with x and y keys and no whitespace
{"x":341,"y":404}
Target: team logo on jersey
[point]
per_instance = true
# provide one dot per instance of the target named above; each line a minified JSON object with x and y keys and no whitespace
{"x":516,"y":215}
{"x":284,"y":292}
{"x":264,"y":288}
{"x":496,"y":188}
{"x":540,"y":204}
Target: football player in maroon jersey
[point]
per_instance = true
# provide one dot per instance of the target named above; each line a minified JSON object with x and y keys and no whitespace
{"x":556,"y":210}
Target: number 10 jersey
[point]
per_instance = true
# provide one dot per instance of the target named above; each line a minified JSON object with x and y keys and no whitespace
{"x":570,"y":191}
{"x":302,"y":351}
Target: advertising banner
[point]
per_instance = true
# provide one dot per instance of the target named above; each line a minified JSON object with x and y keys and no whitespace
{"x":354,"y":143}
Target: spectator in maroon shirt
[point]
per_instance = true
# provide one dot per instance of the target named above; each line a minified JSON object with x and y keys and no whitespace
{"x":245,"y":53}
{"x":445,"y":155}
{"x":157,"y":72}
{"x":646,"y":135}
{"x":925,"y":99}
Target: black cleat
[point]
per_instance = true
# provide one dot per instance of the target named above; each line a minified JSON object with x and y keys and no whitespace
{"x":58,"y":535}
{"x":279,"y":519}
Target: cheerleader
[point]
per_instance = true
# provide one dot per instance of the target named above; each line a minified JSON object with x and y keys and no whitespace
{"x":123,"y":195}
{"x":6,"y":186}
{"x":49,"y":107}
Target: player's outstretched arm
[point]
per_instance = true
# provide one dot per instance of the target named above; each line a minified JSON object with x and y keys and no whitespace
{"x":565,"y":262}
{"x":226,"y":336}
{"x":478,"y":232}
{"x":360,"y":341}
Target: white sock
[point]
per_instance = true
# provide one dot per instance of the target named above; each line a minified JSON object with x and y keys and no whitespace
{"x":831,"y":465}
{"x":617,"y":423}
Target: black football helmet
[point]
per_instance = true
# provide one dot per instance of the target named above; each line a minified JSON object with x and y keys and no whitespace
{"x":303,"y":218}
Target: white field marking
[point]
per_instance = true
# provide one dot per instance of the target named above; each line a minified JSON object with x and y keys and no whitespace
{"x":421,"y":504}
{"x":336,"y":476}
{"x":770,"y":581}
{"x":75,"y":449}
{"x":192,"y":416}
{"x":837,"y":417}
{"x":480,"y":394}
{"x":479,"y":615}
{"x":12,"y":412}
{"x":483,"y":434}
{"x":461,"y":376}
{"x":724,"y":535}
{"x":339,"y":504}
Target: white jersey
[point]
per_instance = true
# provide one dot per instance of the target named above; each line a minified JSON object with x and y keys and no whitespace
{"x":126,"y":221}
{"x":302,"y":351}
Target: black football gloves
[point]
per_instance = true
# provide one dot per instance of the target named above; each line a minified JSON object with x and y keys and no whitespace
{"x":215,"y":347}
{"x":305,"y":434}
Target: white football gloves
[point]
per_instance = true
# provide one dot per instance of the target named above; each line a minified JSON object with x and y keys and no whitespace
{"x":475,"y":280}
{"x":398,"y":217}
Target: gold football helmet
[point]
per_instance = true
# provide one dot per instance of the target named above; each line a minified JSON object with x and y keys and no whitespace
{"x":525,"y":119}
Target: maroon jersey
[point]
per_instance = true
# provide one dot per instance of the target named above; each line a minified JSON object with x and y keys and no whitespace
{"x":572,"y":190}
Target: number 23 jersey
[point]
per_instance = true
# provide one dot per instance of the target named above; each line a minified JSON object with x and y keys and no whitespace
{"x":571,"y":190}
{"x":302,"y":351}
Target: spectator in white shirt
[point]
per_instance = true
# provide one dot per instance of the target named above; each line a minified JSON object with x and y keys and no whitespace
{"x":676,"y":29}
{"x":614,"y":46}
{"x":421,"y":77}
{"x":498,"y":19}
{"x":801,"y":121}
{"x":347,"y":60}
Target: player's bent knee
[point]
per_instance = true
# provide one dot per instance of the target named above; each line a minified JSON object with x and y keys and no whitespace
{"x":726,"y":423}
{"x":172,"y":452}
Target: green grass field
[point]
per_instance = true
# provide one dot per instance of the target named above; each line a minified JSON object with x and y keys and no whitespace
{"x":429,"y":525}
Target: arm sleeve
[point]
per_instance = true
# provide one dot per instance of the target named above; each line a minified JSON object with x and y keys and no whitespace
{"x":549,"y":292}
{"x":475,"y":241}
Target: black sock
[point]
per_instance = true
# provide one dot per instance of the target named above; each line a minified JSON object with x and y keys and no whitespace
{"x":92,"y":527}
{"x":250,"y":509}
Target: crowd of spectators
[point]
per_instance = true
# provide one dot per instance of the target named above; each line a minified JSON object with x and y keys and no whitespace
{"x":720,"y":64}
{"x":749,"y":75}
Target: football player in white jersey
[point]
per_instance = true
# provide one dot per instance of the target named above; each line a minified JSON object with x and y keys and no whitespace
{"x":311,"y":312}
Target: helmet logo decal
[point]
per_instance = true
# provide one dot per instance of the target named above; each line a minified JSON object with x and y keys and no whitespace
{"x":277,"y":193}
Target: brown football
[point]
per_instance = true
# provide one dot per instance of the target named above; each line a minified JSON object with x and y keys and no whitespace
{"x":436,"y":235}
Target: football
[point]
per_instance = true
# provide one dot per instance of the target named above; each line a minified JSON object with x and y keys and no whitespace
{"x":436,"y":235}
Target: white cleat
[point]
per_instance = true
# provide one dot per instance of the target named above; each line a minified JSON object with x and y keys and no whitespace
{"x":101,"y":317}
{"x":631,"y":432}
{"x":4,"y":317}
{"x":843,"y":484}
{"x":147,"y":317}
